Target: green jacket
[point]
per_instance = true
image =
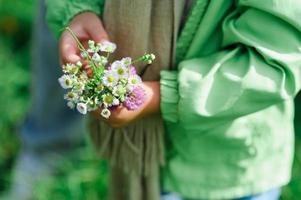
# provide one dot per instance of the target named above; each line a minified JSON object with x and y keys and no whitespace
{"x":228,"y":107}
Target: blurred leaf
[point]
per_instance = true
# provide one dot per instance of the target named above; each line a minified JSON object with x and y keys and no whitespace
{"x":22,"y":10}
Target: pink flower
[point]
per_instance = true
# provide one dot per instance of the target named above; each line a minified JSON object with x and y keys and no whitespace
{"x":135,"y":99}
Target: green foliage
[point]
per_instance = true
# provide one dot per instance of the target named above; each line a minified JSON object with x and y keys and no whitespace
{"x":13,"y":103}
{"x":16,"y":18}
{"x":15,"y":26}
{"x":81,"y":177}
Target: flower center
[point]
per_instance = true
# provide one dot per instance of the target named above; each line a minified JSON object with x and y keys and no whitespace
{"x":120,"y":71}
{"x":74,"y":70}
{"x":134,"y":81}
{"x":100,"y":87}
{"x":71,"y":95}
{"x":68,"y":82}
{"x":120,"y":91}
{"x":109,"y":99}
{"x":111,"y":78}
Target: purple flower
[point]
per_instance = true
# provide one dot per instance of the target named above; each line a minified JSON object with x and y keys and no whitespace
{"x":135,"y":99}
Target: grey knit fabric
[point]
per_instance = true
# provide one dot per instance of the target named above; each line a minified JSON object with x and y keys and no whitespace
{"x":136,"y":152}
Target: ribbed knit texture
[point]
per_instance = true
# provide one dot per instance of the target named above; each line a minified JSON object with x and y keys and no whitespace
{"x":190,"y":28}
{"x":136,"y":152}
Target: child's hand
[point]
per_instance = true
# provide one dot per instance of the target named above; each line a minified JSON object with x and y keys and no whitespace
{"x":121,"y":116}
{"x":85,"y":26}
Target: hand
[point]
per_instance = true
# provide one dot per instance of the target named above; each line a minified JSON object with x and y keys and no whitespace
{"x":121,"y":117}
{"x":85,"y":26}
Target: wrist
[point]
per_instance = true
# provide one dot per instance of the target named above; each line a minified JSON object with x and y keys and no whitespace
{"x":152,"y":102}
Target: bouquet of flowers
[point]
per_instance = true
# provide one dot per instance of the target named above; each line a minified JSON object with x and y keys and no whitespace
{"x":110,"y":84}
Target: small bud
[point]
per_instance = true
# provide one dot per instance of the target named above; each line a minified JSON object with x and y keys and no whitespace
{"x":152,"y":56}
{"x":84,"y":54}
{"x":96,"y":57}
{"x":91,"y":43}
{"x":79,"y":64}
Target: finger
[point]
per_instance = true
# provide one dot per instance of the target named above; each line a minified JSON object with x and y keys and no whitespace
{"x":84,"y":63}
{"x":89,"y":72}
{"x":97,"y":33}
{"x":68,"y":49}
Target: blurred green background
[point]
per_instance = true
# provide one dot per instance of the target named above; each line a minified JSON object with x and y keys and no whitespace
{"x":86,"y":178}
{"x":82,"y":176}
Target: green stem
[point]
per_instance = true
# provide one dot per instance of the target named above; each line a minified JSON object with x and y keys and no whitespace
{"x":79,"y":44}
{"x":137,"y":60}
{"x":82,"y":48}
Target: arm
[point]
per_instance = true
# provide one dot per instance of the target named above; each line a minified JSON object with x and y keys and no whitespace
{"x":260,"y":66}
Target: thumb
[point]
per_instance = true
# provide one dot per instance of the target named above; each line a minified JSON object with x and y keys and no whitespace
{"x":68,"y":49}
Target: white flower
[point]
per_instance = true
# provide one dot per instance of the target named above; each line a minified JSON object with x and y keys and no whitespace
{"x":71,"y":96}
{"x":126,"y":61}
{"x":134,"y":80}
{"x":74,"y":69}
{"x":96,"y":57}
{"x":103,"y":60}
{"x":71,"y":104}
{"x":110,"y":79}
{"x":70,"y":68}
{"x":65,"y":81}
{"x":109,"y":100}
{"x":91,"y":44}
{"x":83,"y":76}
{"x":79,"y":86}
{"x":79,"y":64}
{"x":91,"y":106}
{"x":116,"y":102}
{"x":66,"y":68}
{"x":82,"y":99}
{"x":99,"y":88}
{"x":120,"y":69}
{"x":106,"y":113}
{"x":92,"y":48}
{"x":119,"y":90}
{"x":82,"y":108}
{"x":107,"y":46}
{"x":117,"y":64}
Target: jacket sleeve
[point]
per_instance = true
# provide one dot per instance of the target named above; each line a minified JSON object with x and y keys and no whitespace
{"x":259,"y":66}
{"x":60,"y":12}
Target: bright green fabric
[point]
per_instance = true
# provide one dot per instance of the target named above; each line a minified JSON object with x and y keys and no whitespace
{"x":60,"y":12}
{"x":228,"y":107}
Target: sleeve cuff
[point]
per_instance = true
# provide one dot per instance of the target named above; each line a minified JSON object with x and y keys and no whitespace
{"x":58,"y":18}
{"x":169,"y":95}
